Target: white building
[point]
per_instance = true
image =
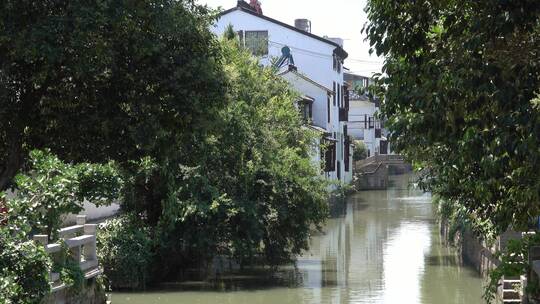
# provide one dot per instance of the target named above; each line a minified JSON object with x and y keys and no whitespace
{"x":317,"y":73}
{"x":364,"y":121}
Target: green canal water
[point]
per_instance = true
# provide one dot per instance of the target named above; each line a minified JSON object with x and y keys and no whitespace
{"x":379,"y":247}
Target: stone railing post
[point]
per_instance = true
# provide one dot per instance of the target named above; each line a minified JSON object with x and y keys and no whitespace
{"x":90,"y":252}
{"x":41,"y":239}
{"x":81,"y":219}
{"x":76,"y":251}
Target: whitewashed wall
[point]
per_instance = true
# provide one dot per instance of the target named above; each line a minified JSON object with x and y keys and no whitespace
{"x":357,"y":111}
{"x":312,"y":57}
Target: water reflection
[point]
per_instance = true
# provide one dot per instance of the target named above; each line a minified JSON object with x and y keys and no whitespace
{"x":382,"y":247}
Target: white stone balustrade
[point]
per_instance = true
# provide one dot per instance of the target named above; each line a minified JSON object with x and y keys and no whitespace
{"x":80,"y":239}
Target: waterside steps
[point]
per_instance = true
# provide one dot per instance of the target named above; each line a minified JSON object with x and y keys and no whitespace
{"x":80,"y":240}
{"x":511,"y":290}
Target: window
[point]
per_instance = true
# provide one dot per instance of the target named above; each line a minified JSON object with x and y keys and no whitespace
{"x":240,"y":37}
{"x":347,"y":150}
{"x":365,"y":121}
{"x":306,"y":109}
{"x":328,"y":107}
{"x":334,"y":90}
{"x":339,"y":95}
{"x":345,"y":97}
{"x":336,"y":63}
{"x":371,"y":122}
{"x":257,"y":42}
{"x":330,"y":157}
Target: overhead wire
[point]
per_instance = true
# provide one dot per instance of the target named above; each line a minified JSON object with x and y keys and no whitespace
{"x":322,"y":55}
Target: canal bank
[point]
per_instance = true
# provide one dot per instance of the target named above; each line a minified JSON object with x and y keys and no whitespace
{"x":384,"y":247}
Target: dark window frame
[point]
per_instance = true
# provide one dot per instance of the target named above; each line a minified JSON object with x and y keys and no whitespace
{"x":334,"y":90}
{"x":328,"y":106}
{"x":339,"y":95}
{"x":330,"y":157}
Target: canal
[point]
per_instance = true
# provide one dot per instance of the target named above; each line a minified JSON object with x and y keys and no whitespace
{"x":379,"y":247}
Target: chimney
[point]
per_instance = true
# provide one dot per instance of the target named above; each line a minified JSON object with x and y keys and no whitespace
{"x":303,"y":24}
{"x":253,"y":5}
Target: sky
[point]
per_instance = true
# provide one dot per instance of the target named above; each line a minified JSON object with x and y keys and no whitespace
{"x":335,"y":18}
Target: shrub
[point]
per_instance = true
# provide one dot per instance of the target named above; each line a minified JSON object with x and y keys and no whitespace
{"x":125,"y":251}
{"x":24,"y":269}
{"x":53,"y":188}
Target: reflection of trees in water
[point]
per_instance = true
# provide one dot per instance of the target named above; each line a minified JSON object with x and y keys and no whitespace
{"x":351,"y":249}
{"x":346,"y":263}
{"x":446,"y":280}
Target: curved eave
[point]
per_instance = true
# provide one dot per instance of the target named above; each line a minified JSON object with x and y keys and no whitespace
{"x":341,"y":53}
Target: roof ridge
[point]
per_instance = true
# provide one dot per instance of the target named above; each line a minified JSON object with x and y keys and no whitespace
{"x":341,"y":51}
{"x":306,"y":78}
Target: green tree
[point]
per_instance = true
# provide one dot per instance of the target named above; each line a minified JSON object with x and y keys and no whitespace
{"x":101,"y":80}
{"x":360,"y":150}
{"x":24,"y":268}
{"x":460,"y":92}
{"x":50,"y":189}
{"x":125,"y":251}
{"x":254,"y":195}
{"x":53,"y":188}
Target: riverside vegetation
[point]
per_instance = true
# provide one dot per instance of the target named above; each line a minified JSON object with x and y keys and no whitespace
{"x":461,"y":89}
{"x":138,"y":102}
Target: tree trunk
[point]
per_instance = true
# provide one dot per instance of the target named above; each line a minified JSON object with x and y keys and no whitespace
{"x":14,"y":159}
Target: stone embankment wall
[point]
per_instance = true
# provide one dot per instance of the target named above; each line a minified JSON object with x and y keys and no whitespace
{"x":471,"y":250}
{"x":92,"y":293}
{"x":372,"y":177}
{"x":375,"y":176}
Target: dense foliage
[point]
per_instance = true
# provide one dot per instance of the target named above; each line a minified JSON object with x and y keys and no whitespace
{"x":461,"y":83}
{"x":101,"y":80}
{"x":212,"y":151}
{"x":253,"y":193}
{"x":24,"y":269}
{"x":461,"y":91}
{"x":53,"y":188}
{"x":49,"y":190}
{"x":270,"y":195}
{"x":125,"y":252}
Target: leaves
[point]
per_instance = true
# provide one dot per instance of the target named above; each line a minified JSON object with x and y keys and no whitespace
{"x":125,"y":252}
{"x":459,"y":90}
{"x":252,"y":194}
{"x":106,"y":80}
{"x":53,"y":188}
{"x":24,"y":269}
